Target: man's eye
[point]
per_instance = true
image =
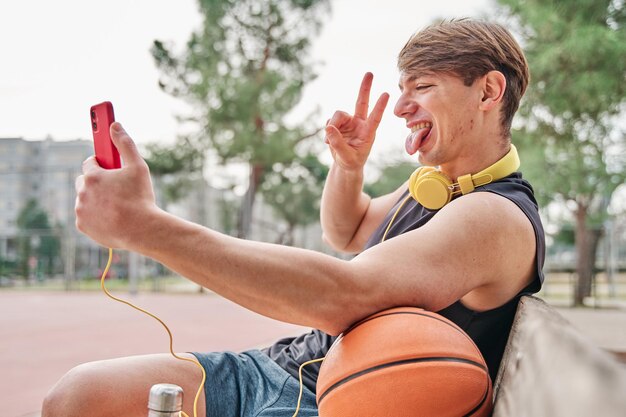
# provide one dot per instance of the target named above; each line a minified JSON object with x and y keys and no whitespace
{"x":423,"y":87}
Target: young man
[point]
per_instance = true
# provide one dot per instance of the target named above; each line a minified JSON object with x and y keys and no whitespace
{"x":469,"y":260}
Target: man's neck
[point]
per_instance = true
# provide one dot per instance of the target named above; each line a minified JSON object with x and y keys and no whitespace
{"x":475,"y":161}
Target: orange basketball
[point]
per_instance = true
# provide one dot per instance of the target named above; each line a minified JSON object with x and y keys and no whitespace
{"x":404,"y":362}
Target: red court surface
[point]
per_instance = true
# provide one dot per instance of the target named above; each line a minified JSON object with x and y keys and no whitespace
{"x":43,"y":335}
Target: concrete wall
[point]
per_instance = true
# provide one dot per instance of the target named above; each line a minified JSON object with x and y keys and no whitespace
{"x":549,"y":369}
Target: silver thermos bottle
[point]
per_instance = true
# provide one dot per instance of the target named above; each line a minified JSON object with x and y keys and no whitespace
{"x":166,"y":400}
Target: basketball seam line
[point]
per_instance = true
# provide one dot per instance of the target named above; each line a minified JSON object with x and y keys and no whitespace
{"x":471,"y":413}
{"x":396,"y":363}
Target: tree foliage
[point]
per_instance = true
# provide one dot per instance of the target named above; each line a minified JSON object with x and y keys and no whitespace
{"x":571,"y":140}
{"x":242,"y":72}
{"x":37,"y":240}
{"x":294,"y":192}
{"x":391,"y":176}
{"x":174,"y":168}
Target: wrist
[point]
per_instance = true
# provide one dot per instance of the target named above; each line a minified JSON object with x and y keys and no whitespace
{"x":147,"y":230}
{"x":162,"y":235}
{"x":349,"y":174}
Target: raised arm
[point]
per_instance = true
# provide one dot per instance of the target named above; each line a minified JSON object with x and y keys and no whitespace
{"x":348,"y":215}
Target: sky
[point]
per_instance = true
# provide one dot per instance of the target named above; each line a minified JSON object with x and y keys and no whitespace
{"x":57,"y":58}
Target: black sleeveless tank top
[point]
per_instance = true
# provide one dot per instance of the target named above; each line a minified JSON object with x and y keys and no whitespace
{"x":489,"y":329}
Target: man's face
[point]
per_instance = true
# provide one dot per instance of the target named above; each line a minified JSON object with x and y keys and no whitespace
{"x":440,"y":112}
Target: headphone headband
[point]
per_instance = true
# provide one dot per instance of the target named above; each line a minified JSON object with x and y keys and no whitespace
{"x":504,"y":167}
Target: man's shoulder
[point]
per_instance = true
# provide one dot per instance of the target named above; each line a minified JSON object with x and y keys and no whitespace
{"x":513,"y":187}
{"x":490,"y":208}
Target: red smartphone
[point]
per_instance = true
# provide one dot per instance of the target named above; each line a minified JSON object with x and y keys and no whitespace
{"x":101,"y":119}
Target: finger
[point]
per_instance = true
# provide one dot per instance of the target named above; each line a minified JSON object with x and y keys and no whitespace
{"x":79,"y":183}
{"x":90,"y":164}
{"x":334,"y":138}
{"x":377,"y":112}
{"x":125,"y":145}
{"x":339,"y":119}
{"x":362,"y":102}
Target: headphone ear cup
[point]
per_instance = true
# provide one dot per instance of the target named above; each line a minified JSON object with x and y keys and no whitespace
{"x":414,"y":178}
{"x":424,"y":170}
{"x":430,"y":188}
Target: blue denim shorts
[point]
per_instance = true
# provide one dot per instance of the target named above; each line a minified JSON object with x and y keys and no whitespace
{"x":250,"y":384}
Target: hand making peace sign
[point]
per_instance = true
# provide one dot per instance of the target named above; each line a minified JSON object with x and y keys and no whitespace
{"x":351,"y":137}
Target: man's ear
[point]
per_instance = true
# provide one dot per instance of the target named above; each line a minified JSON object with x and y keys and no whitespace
{"x":493,"y":88}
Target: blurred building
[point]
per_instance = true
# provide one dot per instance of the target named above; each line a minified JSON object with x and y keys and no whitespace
{"x":41,"y":170}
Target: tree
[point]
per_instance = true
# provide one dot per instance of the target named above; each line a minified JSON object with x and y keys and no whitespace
{"x":242,"y":72}
{"x":37,"y":240}
{"x":392,"y":175}
{"x":571,"y":141}
{"x":294,"y":192}
{"x":174,"y":168}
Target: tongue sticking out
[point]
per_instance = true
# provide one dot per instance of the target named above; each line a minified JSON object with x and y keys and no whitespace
{"x":415,"y":140}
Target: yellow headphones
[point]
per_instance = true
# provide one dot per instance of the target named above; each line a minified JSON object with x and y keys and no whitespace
{"x":433,"y":189}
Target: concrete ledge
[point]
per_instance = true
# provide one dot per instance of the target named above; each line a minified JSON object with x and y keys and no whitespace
{"x":549,"y":369}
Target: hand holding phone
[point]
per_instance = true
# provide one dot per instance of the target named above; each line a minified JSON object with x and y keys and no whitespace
{"x":102,"y":117}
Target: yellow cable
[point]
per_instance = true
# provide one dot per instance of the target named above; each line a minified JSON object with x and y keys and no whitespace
{"x":394,"y":217}
{"x":195,"y":402}
{"x":301,"y":383}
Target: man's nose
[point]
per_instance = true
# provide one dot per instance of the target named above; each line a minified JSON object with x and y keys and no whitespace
{"x":405,"y":107}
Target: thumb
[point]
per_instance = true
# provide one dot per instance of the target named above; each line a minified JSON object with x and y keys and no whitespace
{"x":125,"y":145}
